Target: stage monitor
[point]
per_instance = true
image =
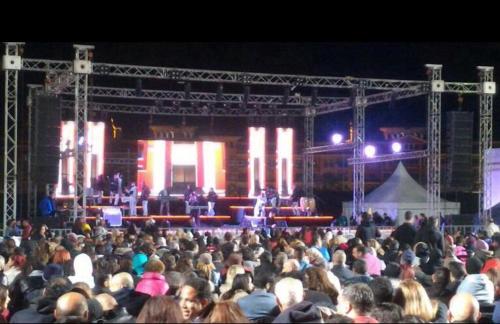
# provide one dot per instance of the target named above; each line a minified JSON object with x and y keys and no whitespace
{"x":112,"y":215}
{"x":94,"y":163}
{"x":175,"y":165}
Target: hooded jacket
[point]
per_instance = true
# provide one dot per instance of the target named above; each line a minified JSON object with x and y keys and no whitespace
{"x":83,"y":270}
{"x":43,"y":312}
{"x":153,"y":284}
{"x":304,"y":312}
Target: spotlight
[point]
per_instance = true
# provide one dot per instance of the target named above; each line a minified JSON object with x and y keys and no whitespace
{"x":370,"y":151}
{"x":80,"y":141}
{"x":396,"y":147}
{"x":336,"y":138}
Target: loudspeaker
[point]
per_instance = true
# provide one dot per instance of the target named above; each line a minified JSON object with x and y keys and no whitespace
{"x":459,"y":131}
{"x":46,"y":139}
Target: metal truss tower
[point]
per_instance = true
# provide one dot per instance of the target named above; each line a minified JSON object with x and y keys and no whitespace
{"x":358,"y":170}
{"x":308,"y":166}
{"x":11,"y":65}
{"x":434,"y":140}
{"x":485,"y":138}
{"x":82,"y":67}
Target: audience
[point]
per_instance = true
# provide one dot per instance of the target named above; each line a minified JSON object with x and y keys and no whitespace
{"x":283,"y":276}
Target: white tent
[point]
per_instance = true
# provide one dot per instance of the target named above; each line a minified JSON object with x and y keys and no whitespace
{"x":397,"y":195}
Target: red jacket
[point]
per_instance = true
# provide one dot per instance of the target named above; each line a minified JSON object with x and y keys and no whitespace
{"x":491,"y":264}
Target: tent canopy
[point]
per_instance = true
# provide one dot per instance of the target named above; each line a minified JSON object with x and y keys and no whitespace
{"x":398,"y":194}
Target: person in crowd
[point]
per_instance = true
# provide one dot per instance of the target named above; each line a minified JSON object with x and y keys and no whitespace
{"x":361,"y":275}
{"x":71,"y":307}
{"x":152,"y":281}
{"x":464,"y":308}
{"x":387,"y":312}
{"x":226,"y":312}
{"x":477,"y":261}
{"x":367,"y":229}
{"x":382,"y":290}
{"x":406,"y":232}
{"x":83,"y":270}
{"x":479,"y":286}
{"x":430,"y":234}
{"x":195,"y":299}
{"x":241,"y":287}
{"x":260,"y":304}
{"x":356,"y":301}
{"x":290,"y":298}
{"x":43,"y":310}
{"x":318,"y":288}
{"x":160,"y":309}
{"x":491,"y":227}
{"x":360,"y":252}
{"x":339,"y":268}
{"x":12,"y":229}
{"x":4,"y":304}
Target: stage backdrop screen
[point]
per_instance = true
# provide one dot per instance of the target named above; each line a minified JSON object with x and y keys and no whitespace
{"x":174,"y":165}
{"x":94,"y":163}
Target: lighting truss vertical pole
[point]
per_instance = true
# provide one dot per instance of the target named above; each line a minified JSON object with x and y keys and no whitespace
{"x":82,"y":68}
{"x":434,"y":140}
{"x":29,"y":103}
{"x":358,"y":169}
{"x":308,"y":167}
{"x":485,"y":138}
{"x":11,"y":65}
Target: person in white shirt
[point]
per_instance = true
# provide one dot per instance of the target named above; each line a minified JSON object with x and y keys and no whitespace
{"x":132,"y":199}
{"x":491,"y":228}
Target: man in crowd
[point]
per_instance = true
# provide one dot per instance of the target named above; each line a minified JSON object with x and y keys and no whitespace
{"x":405,"y":233}
{"x":195,"y":299}
{"x":356,"y":301}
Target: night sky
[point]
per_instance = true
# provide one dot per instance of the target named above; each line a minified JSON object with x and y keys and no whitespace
{"x":371,"y":60}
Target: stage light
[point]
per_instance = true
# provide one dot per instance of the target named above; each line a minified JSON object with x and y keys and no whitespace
{"x":80,"y":141}
{"x":396,"y":147}
{"x":370,"y":151}
{"x":336,"y":138}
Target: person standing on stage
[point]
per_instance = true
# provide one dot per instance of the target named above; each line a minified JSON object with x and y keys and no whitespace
{"x":99,"y":188}
{"x":47,"y":206}
{"x":164,"y":197}
{"x":295,"y":198}
{"x":132,"y":199}
{"x":260,"y":203}
{"x":212,"y":199}
{"x":144,"y":197}
{"x":187,"y":196}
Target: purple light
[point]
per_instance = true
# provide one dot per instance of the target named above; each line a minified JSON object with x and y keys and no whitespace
{"x":337,"y":139}
{"x":370,"y":151}
{"x":396,"y":147}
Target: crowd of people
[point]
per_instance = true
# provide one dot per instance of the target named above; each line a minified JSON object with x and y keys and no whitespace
{"x":309,"y":275}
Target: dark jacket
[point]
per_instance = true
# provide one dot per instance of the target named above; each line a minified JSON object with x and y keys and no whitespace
{"x":359,"y":279}
{"x":318,"y":298}
{"x":367,"y":231}
{"x":118,"y":315}
{"x":405,"y":233}
{"x":122,"y":296}
{"x":431,"y":236}
{"x":475,"y":263}
{"x":342,"y":272}
{"x":43,"y":312}
{"x":259,"y":304}
{"x":304,"y":312}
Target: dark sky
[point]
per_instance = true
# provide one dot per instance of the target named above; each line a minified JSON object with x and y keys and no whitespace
{"x":371,"y":60}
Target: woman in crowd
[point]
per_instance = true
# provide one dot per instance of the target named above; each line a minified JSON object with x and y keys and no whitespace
{"x":160,"y":309}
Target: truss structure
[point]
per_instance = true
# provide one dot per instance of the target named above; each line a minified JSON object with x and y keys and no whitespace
{"x":390,"y":157}
{"x":485,"y":138}
{"x":70,"y":78}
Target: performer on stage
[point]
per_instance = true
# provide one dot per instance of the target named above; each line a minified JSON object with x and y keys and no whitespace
{"x":274,"y":199}
{"x":212,"y":199}
{"x":99,"y":188}
{"x":295,"y":198}
{"x":144,"y":197}
{"x":132,"y":199}
{"x":164,"y":197}
{"x":260,"y":203}
{"x":194,"y":200}
{"x":187,"y":195}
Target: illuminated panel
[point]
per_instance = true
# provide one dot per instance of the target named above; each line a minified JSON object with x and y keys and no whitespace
{"x":213,"y":167}
{"x":284,"y":161}
{"x":94,"y":163}
{"x":256,"y":159}
{"x":157,"y":148}
{"x":95,"y":151}
{"x":184,"y":154}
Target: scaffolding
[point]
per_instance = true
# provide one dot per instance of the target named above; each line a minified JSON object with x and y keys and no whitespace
{"x":70,"y":78}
